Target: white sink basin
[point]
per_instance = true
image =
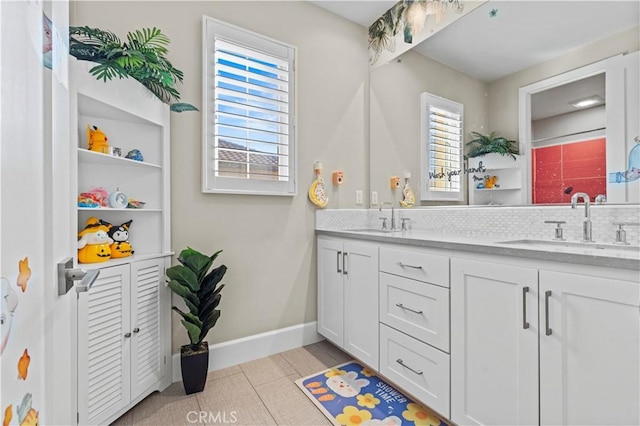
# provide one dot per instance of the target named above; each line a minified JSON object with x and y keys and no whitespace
{"x":571,"y":244}
{"x":376,"y":230}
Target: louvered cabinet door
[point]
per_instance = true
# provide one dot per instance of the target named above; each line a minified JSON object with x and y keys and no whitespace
{"x":147,"y":363}
{"x":103,"y":346}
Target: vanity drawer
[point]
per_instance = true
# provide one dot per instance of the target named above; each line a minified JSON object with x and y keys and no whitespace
{"x":415,"y":264}
{"x":419,"y":309}
{"x":416,"y":367}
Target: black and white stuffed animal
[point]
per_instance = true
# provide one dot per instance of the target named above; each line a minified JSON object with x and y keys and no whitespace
{"x":120,"y":237}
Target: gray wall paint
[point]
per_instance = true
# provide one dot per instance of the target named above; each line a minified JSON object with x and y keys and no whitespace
{"x":268,"y":242}
{"x":395,"y":116}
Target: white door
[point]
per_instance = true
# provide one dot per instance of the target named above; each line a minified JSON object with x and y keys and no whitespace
{"x":331,"y":290}
{"x":104,"y":342}
{"x":147,"y":355}
{"x":35,"y":220}
{"x":494,"y":343}
{"x":360,"y":270}
{"x":589,"y":350}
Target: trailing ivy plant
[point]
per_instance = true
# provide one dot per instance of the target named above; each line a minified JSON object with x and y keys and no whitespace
{"x":142,"y":56}
{"x":492,"y":143}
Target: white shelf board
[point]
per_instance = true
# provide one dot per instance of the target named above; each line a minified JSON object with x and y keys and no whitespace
{"x":86,"y":156}
{"x":108,"y":209}
{"x":125,"y":260}
{"x":496,"y":189}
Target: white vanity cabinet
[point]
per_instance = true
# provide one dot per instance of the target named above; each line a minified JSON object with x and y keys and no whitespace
{"x":414,"y":323}
{"x":558,"y":340}
{"x":494,"y":343}
{"x":589,"y":349}
{"x":348,"y":296}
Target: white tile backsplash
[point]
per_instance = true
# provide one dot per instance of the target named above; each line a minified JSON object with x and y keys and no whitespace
{"x":496,"y":222}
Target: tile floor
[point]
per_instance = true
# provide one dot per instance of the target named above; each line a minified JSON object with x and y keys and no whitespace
{"x":260,"y":392}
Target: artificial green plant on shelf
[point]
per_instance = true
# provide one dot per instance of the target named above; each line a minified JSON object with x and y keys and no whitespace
{"x":200,"y":291}
{"x":142,"y":56}
{"x":492,"y":143}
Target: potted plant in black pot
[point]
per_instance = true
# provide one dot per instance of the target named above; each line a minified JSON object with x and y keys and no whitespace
{"x":200,"y":291}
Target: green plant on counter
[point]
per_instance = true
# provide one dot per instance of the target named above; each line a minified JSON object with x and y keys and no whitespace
{"x":492,"y":143}
{"x":200,"y":291}
{"x":142,"y":56}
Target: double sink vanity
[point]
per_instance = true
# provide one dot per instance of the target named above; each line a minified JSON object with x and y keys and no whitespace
{"x":481,"y":315}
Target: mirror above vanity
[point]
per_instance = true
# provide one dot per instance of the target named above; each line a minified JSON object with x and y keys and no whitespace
{"x":496,"y":60}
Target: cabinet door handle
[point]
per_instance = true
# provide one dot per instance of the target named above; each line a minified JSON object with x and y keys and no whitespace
{"x":418,"y":372}
{"x":525,"y":323}
{"x":344,"y":263}
{"x":547,"y":295}
{"x":136,"y":330}
{"x":402,"y":265}
{"x":127,"y":335}
{"x":338,"y":262}
{"x":401,"y":306}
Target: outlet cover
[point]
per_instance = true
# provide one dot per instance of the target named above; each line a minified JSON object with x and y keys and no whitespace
{"x":358,"y":197}
{"x":374,"y":198}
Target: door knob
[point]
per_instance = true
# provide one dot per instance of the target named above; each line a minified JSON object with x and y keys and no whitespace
{"x":67,"y":275}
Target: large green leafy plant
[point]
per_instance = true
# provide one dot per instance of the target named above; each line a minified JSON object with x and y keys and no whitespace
{"x":142,"y":56}
{"x":492,"y":143}
{"x":200,"y":291}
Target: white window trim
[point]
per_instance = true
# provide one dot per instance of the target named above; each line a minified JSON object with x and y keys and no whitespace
{"x":211,"y":184}
{"x":426,"y":100}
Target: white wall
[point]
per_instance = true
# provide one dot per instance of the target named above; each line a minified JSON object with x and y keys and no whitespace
{"x":570,"y":123}
{"x":268,"y":242}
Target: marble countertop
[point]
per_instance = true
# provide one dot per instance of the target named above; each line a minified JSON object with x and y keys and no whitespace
{"x":589,"y":254}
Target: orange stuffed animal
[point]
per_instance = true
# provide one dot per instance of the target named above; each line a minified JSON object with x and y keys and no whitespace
{"x":96,"y":140}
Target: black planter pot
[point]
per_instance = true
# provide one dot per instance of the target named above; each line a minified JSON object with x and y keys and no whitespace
{"x":195,"y":366}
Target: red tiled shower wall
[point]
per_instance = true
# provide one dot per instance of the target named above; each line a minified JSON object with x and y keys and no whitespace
{"x":581,"y":165}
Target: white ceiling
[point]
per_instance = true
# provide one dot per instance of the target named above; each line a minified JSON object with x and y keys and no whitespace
{"x":557,"y":101}
{"x":362,"y":12}
{"x":522,"y":34}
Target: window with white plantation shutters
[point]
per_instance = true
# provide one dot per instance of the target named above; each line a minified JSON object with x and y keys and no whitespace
{"x":249,"y":134}
{"x":441,"y":148}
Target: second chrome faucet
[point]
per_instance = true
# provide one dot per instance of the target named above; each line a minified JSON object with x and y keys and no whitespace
{"x":586,"y":225}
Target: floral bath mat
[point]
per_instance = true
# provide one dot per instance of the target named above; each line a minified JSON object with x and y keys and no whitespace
{"x":350,"y":394}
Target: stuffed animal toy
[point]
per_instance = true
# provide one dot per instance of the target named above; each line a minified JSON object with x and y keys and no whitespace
{"x":490,"y":181}
{"x":96,"y":140}
{"x":94,"y":241}
{"x":120,"y":236}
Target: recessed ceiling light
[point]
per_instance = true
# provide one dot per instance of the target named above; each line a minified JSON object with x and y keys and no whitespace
{"x":587,"y":102}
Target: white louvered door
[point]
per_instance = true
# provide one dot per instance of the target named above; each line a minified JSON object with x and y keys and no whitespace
{"x":147,"y":363}
{"x":103,"y":346}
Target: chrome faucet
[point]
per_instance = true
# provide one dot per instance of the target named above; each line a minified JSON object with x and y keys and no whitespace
{"x":393,"y":216}
{"x":586,"y":225}
{"x":600,"y":199}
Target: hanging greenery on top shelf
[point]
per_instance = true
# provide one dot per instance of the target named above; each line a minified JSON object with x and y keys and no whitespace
{"x":141,"y":57}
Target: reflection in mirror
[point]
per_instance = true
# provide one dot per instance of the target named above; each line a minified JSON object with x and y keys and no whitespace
{"x":568,"y":141}
{"x":541,"y":40}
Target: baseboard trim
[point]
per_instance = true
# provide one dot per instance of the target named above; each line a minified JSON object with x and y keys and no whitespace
{"x":226,"y":354}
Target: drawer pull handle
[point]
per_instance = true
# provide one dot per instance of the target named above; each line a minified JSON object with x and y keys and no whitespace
{"x":401,"y":306}
{"x":399,"y":361}
{"x":525,"y":323}
{"x":547,"y":295}
{"x":402,"y":265}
